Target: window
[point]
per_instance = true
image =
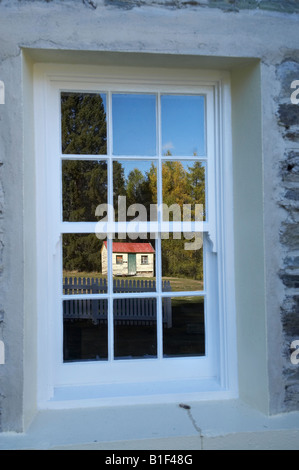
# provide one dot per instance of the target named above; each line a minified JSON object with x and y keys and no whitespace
{"x":135,"y":222}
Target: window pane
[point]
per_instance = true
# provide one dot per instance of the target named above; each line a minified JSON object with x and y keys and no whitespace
{"x":84,"y":264}
{"x":135,"y":328}
{"x":136,"y":272}
{"x":184,"y":328}
{"x":83,"y":123}
{"x":184,"y":193}
{"x":84,"y":187}
{"x":134,"y":182}
{"x":182,"y":270}
{"x":183,"y":125}
{"x":85,"y":333}
{"x":134,"y":124}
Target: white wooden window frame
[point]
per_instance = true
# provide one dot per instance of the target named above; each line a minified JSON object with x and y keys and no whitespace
{"x":213,"y":376}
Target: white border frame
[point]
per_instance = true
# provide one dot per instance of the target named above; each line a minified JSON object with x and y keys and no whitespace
{"x":222,"y":383}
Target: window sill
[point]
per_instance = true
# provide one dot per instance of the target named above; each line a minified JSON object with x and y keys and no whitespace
{"x":142,"y":393}
{"x":228,"y":424}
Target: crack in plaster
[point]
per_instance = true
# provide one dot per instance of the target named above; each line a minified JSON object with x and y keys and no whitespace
{"x":193,"y":421}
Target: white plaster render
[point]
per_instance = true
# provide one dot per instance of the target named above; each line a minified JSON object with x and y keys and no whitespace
{"x":150,"y":29}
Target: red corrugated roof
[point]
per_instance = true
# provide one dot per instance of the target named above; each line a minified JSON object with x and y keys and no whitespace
{"x":120,"y":247}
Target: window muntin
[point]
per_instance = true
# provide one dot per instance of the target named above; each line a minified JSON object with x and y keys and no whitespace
{"x":178,"y":185}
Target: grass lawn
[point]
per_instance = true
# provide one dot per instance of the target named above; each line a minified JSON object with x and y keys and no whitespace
{"x":177,"y":284}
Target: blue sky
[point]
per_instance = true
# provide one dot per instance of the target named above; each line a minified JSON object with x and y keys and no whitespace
{"x":182,"y":124}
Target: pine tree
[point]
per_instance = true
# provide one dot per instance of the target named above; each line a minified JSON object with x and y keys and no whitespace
{"x":83,"y":126}
{"x":84,"y":182}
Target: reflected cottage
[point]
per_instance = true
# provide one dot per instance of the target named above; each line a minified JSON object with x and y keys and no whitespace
{"x":130,"y":259}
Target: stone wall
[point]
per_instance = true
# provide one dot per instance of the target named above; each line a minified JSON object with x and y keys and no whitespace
{"x":287,"y":6}
{"x":288,"y":119}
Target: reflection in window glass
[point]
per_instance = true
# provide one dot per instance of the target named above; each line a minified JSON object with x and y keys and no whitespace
{"x":183,"y":125}
{"x":135,"y":328}
{"x":184,"y":329}
{"x":183,"y":184}
{"x":85,"y":331}
{"x":84,"y":264}
{"x":136,"y":271}
{"x":182,"y":270}
{"x":134,"y":124}
{"x":84,"y":187}
{"x":137,"y":181}
{"x":83,"y":124}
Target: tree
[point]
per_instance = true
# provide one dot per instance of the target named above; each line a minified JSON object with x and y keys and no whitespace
{"x":84,"y":187}
{"x":196,"y":183}
{"x":134,"y":187}
{"x":84,"y":182}
{"x":83,"y":125}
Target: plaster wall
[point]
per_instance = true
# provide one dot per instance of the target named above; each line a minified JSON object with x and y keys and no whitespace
{"x":257,"y":41}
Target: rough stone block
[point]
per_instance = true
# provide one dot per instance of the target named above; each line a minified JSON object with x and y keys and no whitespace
{"x":290,"y":167}
{"x":290,"y":280}
{"x":290,"y":236}
{"x":288,"y":115}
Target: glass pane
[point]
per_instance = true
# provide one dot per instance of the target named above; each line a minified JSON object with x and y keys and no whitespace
{"x":134,"y":124}
{"x":85,"y":331}
{"x":184,"y":192}
{"x":84,"y":188}
{"x":184,"y":326}
{"x":83,"y":124}
{"x":84,"y":264}
{"x":133,"y":264}
{"x":182,"y":270}
{"x":183,"y":125}
{"x":134,"y":182}
{"x":135,"y":328}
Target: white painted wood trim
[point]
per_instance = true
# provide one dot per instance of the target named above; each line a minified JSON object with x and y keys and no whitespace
{"x":49,"y":80}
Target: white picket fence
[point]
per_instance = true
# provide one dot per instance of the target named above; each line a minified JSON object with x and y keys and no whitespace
{"x":140,"y":310}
